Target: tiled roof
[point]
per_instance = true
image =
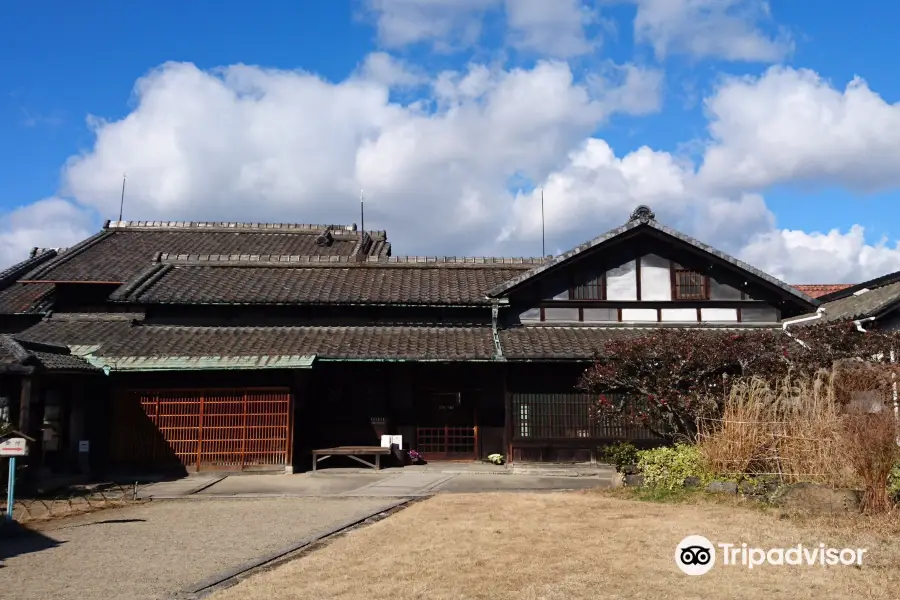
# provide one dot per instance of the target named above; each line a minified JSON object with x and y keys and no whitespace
{"x":22,"y":298}
{"x":643,"y":217}
{"x":560,"y":343}
{"x":816,"y":290}
{"x":122,"y":339}
{"x":299,"y":280}
{"x":13,"y":273}
{"x":16,"y":352}
{"x":123,"y":249}
{"x":555,"y":342}
{"x":871,"y":303}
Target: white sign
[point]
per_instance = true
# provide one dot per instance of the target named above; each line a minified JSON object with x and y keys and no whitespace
{"x":84,"y":446}
{"x":14,"y":447}
{"x":387,"y":440}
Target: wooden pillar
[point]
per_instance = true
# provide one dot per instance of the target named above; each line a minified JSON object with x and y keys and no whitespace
{"x":507,"y":425}
{"x":25,"y":402}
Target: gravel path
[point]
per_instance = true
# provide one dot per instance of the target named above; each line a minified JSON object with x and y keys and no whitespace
{"x":157,"y":549}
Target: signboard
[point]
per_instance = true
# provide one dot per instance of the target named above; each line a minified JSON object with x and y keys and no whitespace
{"x":387,"y":440}
{"x":84,"y":446}
{"x":14,"y":447}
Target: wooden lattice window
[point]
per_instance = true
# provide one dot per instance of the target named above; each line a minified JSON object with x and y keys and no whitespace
{"x":590,"y":286}
{"x":690,"y":285}
{"x":567,"y":416}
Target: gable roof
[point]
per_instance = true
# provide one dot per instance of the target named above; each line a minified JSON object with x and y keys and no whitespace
{"x":298,"y":280}
{"x":124,"y":248}
{"x":643,"y":218}
{"x":24,"y":355}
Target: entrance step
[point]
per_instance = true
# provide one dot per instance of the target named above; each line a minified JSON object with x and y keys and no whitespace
{"x":562,"y":470}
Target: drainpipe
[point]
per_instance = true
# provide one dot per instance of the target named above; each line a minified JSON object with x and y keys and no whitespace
{"x":859,"y":323}
{"x":495,"y":330}
{"x":820,"y":312}
{"x":894,"y":393}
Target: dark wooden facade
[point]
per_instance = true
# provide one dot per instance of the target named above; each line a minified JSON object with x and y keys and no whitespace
{"x":242,"y":346}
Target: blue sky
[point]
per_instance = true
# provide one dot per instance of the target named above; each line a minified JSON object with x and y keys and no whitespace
{"x":448,"y":184}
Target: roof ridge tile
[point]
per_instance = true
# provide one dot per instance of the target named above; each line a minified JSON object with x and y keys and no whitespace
{"x":246,"y":226}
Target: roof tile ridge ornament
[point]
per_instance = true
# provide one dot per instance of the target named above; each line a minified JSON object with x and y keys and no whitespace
{"x":642,"y":214}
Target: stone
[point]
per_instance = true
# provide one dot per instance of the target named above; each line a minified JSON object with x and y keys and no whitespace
{"x":630,"y":469}
{"x":757,"y":488}
{"x":692,"y":482}
{"x":634,"y":480}
{"x":722,"y":487}
{"x":816,"y":498}
{"x":618,"y":480}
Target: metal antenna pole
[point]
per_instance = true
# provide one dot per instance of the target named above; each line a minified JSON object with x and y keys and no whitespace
{"x":543,"y":239}
{"x":122,"y":200}
{"x":362,"y":213}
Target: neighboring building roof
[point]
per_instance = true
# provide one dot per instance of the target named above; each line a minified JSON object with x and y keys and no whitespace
{"x":817,"y":290}
{"x":643,"y":217}
{"x":124,"y":248}
{"x":122,"y":341}
{"x":204,"y":279}
{"x":864,"y":304}
{"x":19,"y":354}
{"x":865,"y":285}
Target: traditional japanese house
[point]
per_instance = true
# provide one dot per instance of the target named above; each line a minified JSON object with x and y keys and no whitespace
{"x":243,"y":346}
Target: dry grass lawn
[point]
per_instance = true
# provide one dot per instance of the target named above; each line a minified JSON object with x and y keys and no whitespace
{"x":574,"y":546}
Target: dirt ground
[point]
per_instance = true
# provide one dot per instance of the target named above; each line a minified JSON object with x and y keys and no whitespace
{"x":157,"y":549}
{"x":573,"y":545}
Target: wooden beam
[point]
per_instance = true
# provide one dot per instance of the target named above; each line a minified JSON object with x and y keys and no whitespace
{"x":652,"y":304}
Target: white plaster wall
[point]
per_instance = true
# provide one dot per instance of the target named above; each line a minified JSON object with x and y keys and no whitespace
{"x":656,"y":278}
{"x":718,"y":315}
{"x":642,"y":315}
{"x":621,"y":282}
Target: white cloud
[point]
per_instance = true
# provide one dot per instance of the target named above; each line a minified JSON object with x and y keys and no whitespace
{"x":446,"y":22}
{"x":382,"y":68}
{"x":48,"y":223}
{"x":251,"y":144}
{"x":596,"y":191}
{"x":246,"y":143}
{"x":553,"y":29}
{"x":633,"y":89}
{"x":793,"y":126}
{"x":721,"y":29}
{"x":832,"y":257}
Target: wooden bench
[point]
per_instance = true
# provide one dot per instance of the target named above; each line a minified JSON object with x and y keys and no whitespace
{"x":353,"y":452}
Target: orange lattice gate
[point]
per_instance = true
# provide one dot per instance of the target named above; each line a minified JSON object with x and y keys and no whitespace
{"x":447,"y":443}
{"x":229,"y":429}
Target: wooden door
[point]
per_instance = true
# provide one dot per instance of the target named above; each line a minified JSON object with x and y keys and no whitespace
{"x":446,"y":427}
{"x":227,"y":429}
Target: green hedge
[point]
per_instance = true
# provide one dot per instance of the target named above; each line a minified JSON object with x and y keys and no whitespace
{"x":620,"y":454}
{"x":669,"y":466}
